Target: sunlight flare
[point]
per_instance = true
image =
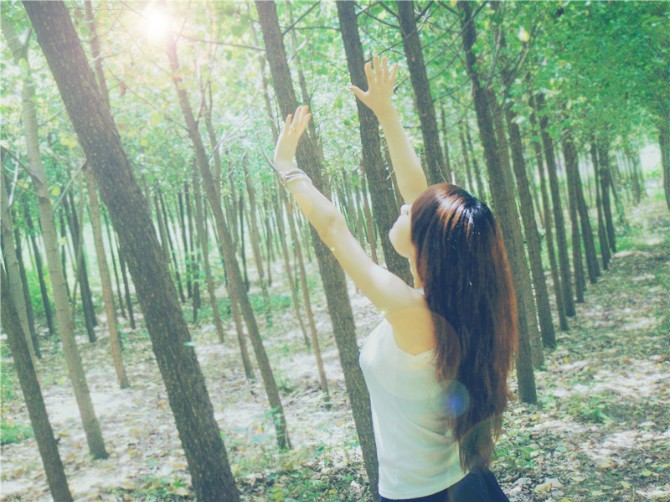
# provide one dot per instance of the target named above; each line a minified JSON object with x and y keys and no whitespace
{"x":156,"y":23}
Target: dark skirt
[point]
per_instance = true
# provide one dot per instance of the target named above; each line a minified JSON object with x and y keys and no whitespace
{"x":480,"y":485}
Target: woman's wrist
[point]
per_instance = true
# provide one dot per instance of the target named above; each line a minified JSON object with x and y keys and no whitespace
{"x":284,"y":164}
{"x":387,"y":113}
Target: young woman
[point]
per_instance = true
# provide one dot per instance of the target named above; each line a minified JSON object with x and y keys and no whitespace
{"x":437,"y":365}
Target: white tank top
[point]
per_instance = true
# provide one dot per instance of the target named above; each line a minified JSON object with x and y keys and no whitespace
{"x":416,"y":452}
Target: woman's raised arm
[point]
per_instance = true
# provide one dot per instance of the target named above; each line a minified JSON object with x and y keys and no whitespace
{"x":385,"y":290}
{"x":409,"y":174}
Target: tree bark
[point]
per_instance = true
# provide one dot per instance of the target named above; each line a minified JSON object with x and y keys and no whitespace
{"x":25,"y":369}
{"x":503,"y":201}
{"x":99,"y":138}
{"x":523,"y":284}
{"x":335,"y":287}
{"x":422,"y":95}
{"x":384,"y":206}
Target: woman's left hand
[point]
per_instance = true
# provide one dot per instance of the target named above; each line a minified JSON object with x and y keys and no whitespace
{"x":287,"y":143}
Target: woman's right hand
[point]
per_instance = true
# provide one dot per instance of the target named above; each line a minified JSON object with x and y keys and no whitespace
{"x":380,"y":86}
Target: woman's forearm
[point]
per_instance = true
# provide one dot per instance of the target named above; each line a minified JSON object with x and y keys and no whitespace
{"x":319,"y":211}
{"x":409,"y":174}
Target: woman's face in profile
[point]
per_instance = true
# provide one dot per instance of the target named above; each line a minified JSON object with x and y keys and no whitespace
{"x":400,"y":233}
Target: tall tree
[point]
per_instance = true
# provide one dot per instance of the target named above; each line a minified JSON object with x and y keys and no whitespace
{"x":171,"y":341}
{"x":503,"y":200}
{"x":384,"y":206}
{"x":332,"y":275}
{"x":234,"y":283}
{"x":64,"y":321}
{"x":421,"y":85}
{"x":32,"y":393}
{"x":559,"y":221}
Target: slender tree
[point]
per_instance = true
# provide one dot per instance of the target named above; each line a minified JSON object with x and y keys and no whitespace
{"x":503,"y":201}
{"x":64,"y":321}
{"x":32,"y":393}
{"x":384,"y":206}
{"x":435,"y":169}
{"x":337,"y":298}
{"x":99,"y":138}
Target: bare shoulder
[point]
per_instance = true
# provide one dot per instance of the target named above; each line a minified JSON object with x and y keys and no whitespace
{"x":412,"y":323}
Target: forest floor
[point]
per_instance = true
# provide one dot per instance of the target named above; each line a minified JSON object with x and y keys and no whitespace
{"x":599,"y":432}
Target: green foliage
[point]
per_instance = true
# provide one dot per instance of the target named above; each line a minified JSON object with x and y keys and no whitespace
{"x":157,"y":489}
{"x":11,"y":432}
{"x":8,"y":383}
{"x":516,"y":450}
{"x":589,"y":409}
{"x":36,"y":295}
{"x":278,"y":302}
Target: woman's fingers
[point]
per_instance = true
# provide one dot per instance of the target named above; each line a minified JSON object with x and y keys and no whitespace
{"x":394,"y":72}
{"x":385,"y":68}
{"x":378,"y":70}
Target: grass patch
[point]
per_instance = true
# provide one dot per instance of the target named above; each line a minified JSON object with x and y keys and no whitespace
{"x":589,"y":409}
{"x":155,"y":489}
{"x":14,"y":433}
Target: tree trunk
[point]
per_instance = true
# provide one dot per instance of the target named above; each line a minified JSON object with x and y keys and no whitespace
{"x":335,"y":286}
{"x":548,"y":224}
{"x":75,"y":367}
{"x":40,"y":273}
{"x":188,"y":256}
{"x":384,"y":207}
{"x":315,"y":345}
{"x":80,"y":264}
{"x":448,"y":171}
{"x":606,"y":186}
{"x":481,"y":192}
{"x":503,"y":202}
{"x":235,"y":284}
{"x":18,"y":299}
{"x":26,"y":294}
{"x":574,"y":178}
{"x":561,"y":241}
{"x":523,"y":284}
{"x":530,"y":231}
{"x":422,"y":95}
{"x":256,"y":244}
{"x":664,"y":143}
{"x":201,"y":231}
{"x":184,"y":382}
{"x":106,"y":282}
{"x":25,"y":369}
{"x":602,"y":233}
{"x":466,"y":158}
{"x":577,"y":263}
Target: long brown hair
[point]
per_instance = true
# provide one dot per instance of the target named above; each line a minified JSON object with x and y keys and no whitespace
{"x":462,"y":262}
